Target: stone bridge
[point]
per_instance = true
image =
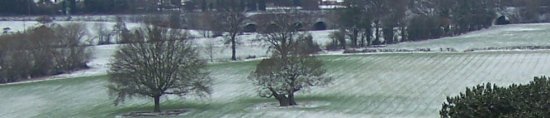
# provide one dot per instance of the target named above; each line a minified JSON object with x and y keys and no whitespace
{"x":319,"y":20}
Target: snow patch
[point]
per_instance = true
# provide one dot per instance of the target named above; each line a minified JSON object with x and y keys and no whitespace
{"x":301,"y":105}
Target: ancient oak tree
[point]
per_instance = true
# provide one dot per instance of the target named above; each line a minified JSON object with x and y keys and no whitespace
{"x":291,"y":67}
{"x":282,"y":78}
{"x":158,"y":62}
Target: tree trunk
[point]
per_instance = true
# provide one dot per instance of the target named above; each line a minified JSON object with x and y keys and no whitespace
{"x":342,"y":39}
{"x":283,"y":101}
{"x":284,"y":50}
{"x":377,"y":35}
{"x":362,"y":40}
{"x":403,"y":35}
{"x":233,"y":47}
{"x":369,"y":36}
{"x":157,"y":103}
{"x":291,"y":100}
{"x":377,"y":31}
{"x":354,"y":37}
{"x":388,"y":35}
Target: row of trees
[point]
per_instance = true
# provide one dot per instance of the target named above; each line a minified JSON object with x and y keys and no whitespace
{"x":217,"y":5}
{"x":49,"y":7}
{"x":160,"y":62}
{"x":13,"y":7}
{"x":370,"y":22}
{"x":248,"y":5}
{"x":42,"y":51}
{"x":114,"y":6}
{"x":376,"y":22}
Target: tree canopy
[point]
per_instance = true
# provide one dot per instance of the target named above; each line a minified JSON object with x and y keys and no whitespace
{"x":491,"y":101}
{"x":157,"y":62}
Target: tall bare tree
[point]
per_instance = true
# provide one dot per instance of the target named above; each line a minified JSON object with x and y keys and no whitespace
{"x":208,"y":48}
{"x":158,"y":65}
{"x":232,"y":19}
{"x":354,"y":20}
{"x":394,"y":18}
{"x":378,"y":8}
{"x":206,"y":21}
{"x":121,"y":31}
{"x":281,"y":30}
{"x":72,"y":40}
{"x":103,"y":34}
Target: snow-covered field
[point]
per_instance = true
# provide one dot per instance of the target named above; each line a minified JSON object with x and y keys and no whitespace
{"x":372,"y":85}
{"x":496,"y":36}
{"x":381,"y":85}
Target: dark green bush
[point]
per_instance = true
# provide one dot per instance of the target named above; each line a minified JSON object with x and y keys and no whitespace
{"x":490,"y":101}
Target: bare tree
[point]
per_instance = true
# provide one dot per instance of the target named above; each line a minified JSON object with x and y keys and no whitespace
{"x":354,"y":21}
{"x":291,"y":68}
{"x":281,"y":30}
{"x":338,"y":40}
{"x":166,"y":65}
{"x":206,"y":21}
{"x":72,"y":52}
{"x":15,"y":57}
{"x":43,"y":39}
{"x":379,"y":10}
{"x":394,"y":18}
{"x":103,"y":34}
{"x":232,"y":21}
{"x":121,"y":31}
{"x":208,"y":48}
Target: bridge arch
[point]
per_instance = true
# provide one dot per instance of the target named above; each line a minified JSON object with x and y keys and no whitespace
{"x":250,"y":28}
{"x":320,"y":25}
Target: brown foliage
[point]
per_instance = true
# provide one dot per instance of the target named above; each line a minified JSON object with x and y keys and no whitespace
{"x":42,"y":51}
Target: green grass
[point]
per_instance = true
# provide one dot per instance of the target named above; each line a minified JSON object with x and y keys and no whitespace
{"x":381,"y":85}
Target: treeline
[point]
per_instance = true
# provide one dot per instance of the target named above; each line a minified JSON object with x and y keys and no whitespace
{"x":247,"y":5}
{"x":42,"y":51}
{"x":58,"y":7}
{"x":376,"y":22}
{"x":48,"y":7}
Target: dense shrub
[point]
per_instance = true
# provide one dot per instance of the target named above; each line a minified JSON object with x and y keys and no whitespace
{"x":307,"y":46}
{"x":338,"y":41}
{"x":491,"y":101}
{"x":42,"y":51}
